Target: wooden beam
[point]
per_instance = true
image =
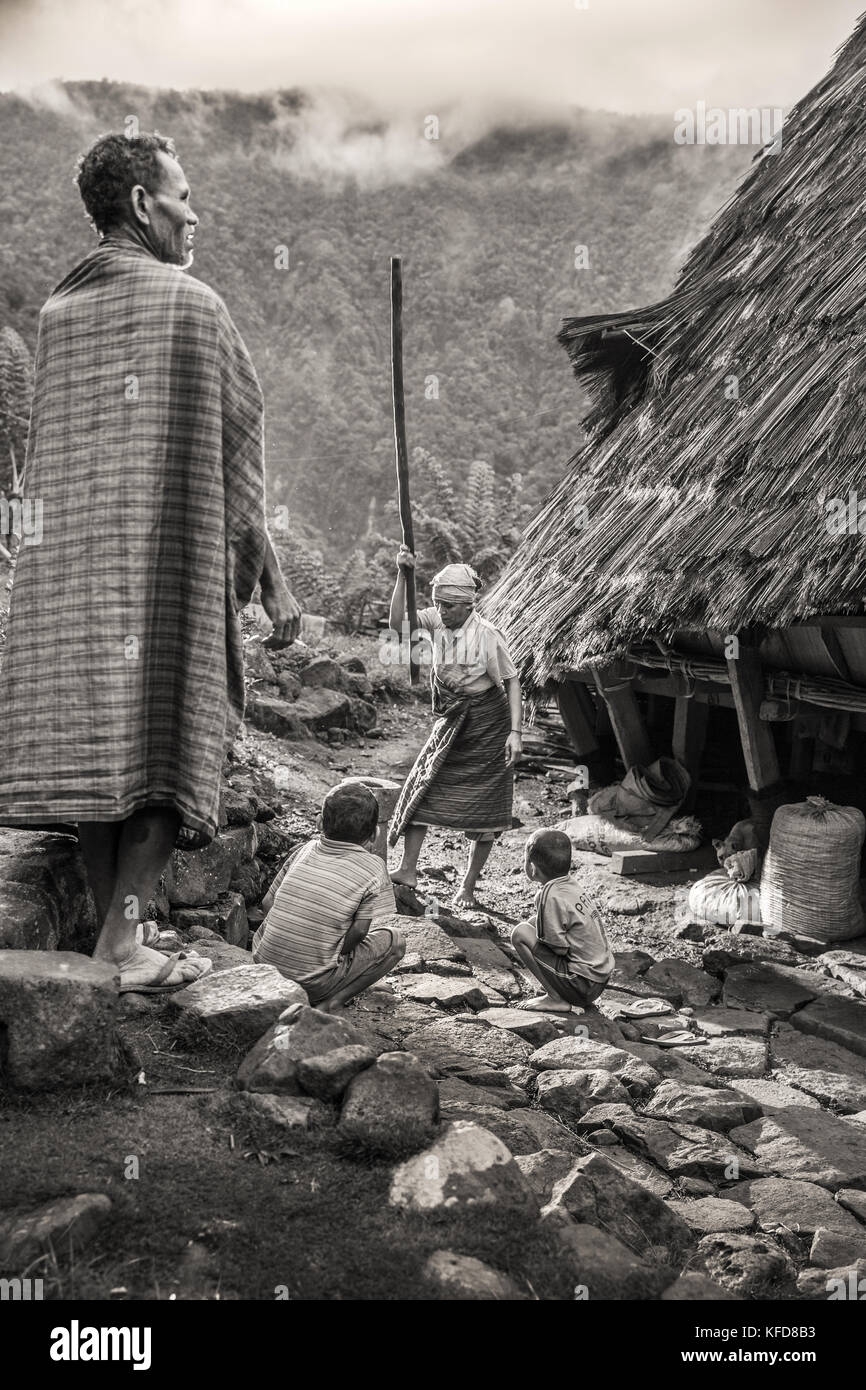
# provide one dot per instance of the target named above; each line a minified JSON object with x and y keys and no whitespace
{"x":689,"y":737}
{"x":833,"y":648}
{"x":662,"y":861}
{"x":615,"y":687}
{"x":756,"y":736}
{"x":578,"y":716}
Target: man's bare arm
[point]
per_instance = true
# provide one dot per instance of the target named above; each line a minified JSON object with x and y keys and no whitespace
{"x":280,"y":605}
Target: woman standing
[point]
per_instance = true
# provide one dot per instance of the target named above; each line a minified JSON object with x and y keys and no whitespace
{"x":463,"y":778}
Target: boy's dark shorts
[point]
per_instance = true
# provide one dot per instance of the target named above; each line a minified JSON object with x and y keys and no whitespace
{"x":574,"y":989}
{"x":374,"y":955}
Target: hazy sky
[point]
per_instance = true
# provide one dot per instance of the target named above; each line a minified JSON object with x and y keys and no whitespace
{"x":625,"y":55}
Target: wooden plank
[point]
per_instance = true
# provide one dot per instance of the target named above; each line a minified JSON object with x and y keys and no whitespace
{"x":756,"y":736}
{"x":833,"y":648}
{"x":689,"y":737}
{"x":615,"y":687}
{"x":578,"y":716}
{"x":651,"y":861}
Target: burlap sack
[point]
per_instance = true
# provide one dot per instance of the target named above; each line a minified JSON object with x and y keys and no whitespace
{"x":811,"y":877}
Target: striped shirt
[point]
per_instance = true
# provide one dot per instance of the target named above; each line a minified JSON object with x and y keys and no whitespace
{"x":568,"y":921}
{"x":322,"y":889}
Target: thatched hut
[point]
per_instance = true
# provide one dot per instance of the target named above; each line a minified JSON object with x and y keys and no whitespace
{"x":704,"y":544}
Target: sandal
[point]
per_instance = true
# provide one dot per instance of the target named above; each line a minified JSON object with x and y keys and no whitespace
{"x":680,"y":1038}
{"x":147,"y":934}
{"x":644,"y":1008}
{"x":160,"y":983}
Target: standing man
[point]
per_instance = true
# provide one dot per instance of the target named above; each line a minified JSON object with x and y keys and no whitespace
{"x":123,"y":673}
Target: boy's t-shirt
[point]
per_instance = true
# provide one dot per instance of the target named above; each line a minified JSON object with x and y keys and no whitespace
{"x":324,"y":886}
{"x":569,"y":922}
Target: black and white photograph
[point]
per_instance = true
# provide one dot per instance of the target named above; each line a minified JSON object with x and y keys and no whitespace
{"x":432,"y":675}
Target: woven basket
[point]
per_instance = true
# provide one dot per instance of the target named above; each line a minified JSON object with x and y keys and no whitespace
{"x":811,"y":876}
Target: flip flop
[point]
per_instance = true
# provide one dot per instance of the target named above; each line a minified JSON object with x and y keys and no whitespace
{"x":147,"y":933}
{"x":645,"y":1008}
{"x":681,"y":1038}
{"x":157,"y":985}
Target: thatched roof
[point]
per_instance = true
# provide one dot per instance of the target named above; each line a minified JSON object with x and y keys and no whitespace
{"x":703,"y":511}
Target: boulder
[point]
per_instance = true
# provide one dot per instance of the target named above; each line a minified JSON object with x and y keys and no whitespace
{"x":237,"y":807}
{"x":713,"y":1214}
{"x":456,"y":1092}
{"x":489,"y":964}
{"x":738,"y":949}
{"x":773,"y":1095}
{"x":362,"y":714}
{"x":572,"y":1093}
{"x":694,"y":1288}
{"x":241,"y":1002}
{"x":249,"y":882}
{"x":326,"y":1076}
{"x":257,"y":663}
{"x":751,"y":1266}
{"x":58,"y":1226}
{"x":197,"y":878}
{"x":519,"y":1130}
{"x":495,"y":1046}
{"x":599,"y":1193}
{"x":721,"y":1022}
{"x":768,"y":987}
{"x":693,"y":986}
{"x":852,"y":1200}
{"x":544,"y":1169}
{"x":833,"y":1248}
{"x":603,"y":1268}
{"x":640,"y":1171}
{"x":320,"y":709}
{"x":669,"y":1062}
{"x":428,"y":941}
{"x":580,"y":1054}
{"x":808,"y":1145}
{"x":846,"y":1283}
{"x":847,"y":966}
{"x":58,"y":1019}
{"x":274,"y":715}
{"x":446,"y":991}
{"x":822,"y":1069}
{"x":466,"y":1168}
{"x":799,"y":1206}
{"x":707,"y":1106}
{"x":322,"y":671}
{"x":45,"y":903}
{"x":390,"y":1108}
{"x":629,"y":965}
{"x":534,"y":1028}
{"x":841,"y":1021}
{"x":290,"y":1113}
{"x":730,"y":1056}
{"x":684,"y":1150}
{"x":272,"y":1064}
{"x":462,"y":1278}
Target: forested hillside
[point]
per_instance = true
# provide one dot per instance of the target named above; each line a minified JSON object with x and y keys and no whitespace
{"x":487,"y":230}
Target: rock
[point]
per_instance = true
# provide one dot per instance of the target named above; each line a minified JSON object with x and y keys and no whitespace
{"x":460,"y":1277}
{"x":197,"y":878}
{"x":272,"y":1064}
{"x":601,"y":1116}
{"x":822,"y":1069}
{"x":455,"y":1092}
{"x":290,"y":1113}
{"x":57,"y":1225}
{"x":583,"y":1054}
{"x":322,"y":671}
{"x":669,"y":1062}
{"x":841,"y":1021}
{"x":466,"y":1167}
{"x":603,"y":1268}
{"x":521,"y":1075}
{"x":852,"y":1200}
{"x":547,"y":1132}
{"x":629,"y":965}
{"x":833,"y":1248}
{"x":362,"y":714}
{"x":751,"y":1266}
{"x":693,"y":1288}
{"x":807,"y":1144}
{"x":350,"y":662}
{"x":45,"y":903}
{"x":237,"y":807}
{"x":495,"y":1046}
{"x":446,"y":991}
{"x":519,"y":1130}
{"x":599,"y":1193}
{"x":58,"y":1019}
{"x":274,"y":715}
{"x":242,"y":1002}
{"x":289,"y":685}
{"x":693,"y":986}
{"x":714,"y":1214}
{"x":534,"y":1028}
{"x":230,"y":916}
{"x":720,"y":1022}
{"x":730,"y":1056}
{"x":328,"y":1075}
{"x":257,"y":663}
{"x":543,"y":1169}
{"x":430,"y":942}
{"x":224,"y":956}
{"x":320,"y":709}
{"x":847,"y":1282}
{"x":639,"y":1170}
{"x":695,"y":1187}
{"x":707,"y":1106}
{"x":616,"y":1003}
{"x":768,"y":987}
{"x":685,"y":1150}
{"x":249,"y":882}
{"x":391,"y":1108}
{"x":799,"y":1206}
{"x":848,"y":966}
{"x":572,"y":1093}
{"x":489,"y":964}
{"x":738,"y":949}
{"x":773,"y":1095}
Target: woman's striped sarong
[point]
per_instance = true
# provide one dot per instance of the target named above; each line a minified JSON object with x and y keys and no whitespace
{"x":459,"y":779}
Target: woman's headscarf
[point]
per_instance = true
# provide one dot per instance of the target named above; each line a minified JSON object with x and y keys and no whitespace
{"x":455,"y":584}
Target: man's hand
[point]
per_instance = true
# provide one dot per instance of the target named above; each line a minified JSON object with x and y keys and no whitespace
{"x":513,"y":749}
{"x":284,"y":612}
{"x":405,"y":559}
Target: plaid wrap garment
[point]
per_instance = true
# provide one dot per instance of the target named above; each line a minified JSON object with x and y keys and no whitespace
{"x":122,"y":681}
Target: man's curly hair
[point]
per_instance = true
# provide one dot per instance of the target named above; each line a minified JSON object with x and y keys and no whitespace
{"x":110,"y":170}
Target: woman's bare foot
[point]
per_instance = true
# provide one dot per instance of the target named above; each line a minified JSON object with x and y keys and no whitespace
{"x":547,"y":1004}
{"x":407,"y":877}
{"x":150,"y":971}
{"x":465,"y":897}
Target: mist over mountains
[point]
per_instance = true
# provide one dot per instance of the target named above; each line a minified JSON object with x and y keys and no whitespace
{"x":486,"y":217}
